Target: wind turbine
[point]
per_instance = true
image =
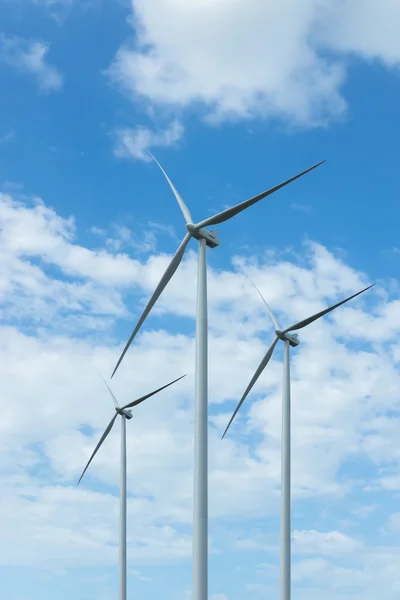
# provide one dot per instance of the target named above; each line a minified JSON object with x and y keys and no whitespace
{"x":290,"y":340}
{"x":205,"y":238}
{"x":125,"y":415}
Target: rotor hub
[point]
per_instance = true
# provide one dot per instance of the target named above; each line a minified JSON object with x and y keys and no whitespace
{"x":209,"y":236}
{"x":125,"y":413}
{"x":292,"y":338}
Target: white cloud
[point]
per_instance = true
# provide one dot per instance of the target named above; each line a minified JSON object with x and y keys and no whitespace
{"x":79,"y":535}
{"x":120,"y":237}
{"x":365,"y":28}
{"x":134,"y":142}
{"x":331,"y":543}
{"x":237,"y":60}
{"x":366,"y":574}
{"x":30,"y":56}
{"x":52,"y":416}
{"x":371,"y":574}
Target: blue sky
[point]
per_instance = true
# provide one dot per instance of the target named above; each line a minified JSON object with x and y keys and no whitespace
{"x":233,"y":98}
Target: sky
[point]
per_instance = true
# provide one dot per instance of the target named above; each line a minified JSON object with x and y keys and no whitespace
{"x":233,"y":97}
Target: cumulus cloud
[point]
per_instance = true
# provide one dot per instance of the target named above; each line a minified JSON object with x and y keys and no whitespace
{"x":345,"y":392}
{"x":238,"y":60}
{"x":30,"y":56}
{"x":331,"y":543}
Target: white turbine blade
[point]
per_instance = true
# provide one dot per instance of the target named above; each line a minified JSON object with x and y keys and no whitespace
{"x":172,"y":267}
{"x":271,"y":314}
{"x":103,"y":437}
{"x":234,"y":210}
{"x":306,"y":322}
{"x":182,"y":205}
{"x":256,"y":375}
{"x":136,"y":402}
{"x":109,"y":389}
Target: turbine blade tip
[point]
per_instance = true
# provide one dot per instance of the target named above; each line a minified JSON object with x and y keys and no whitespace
{"x":367,"y":288}
{"x":116,"y":368}
{"x":319,"y":164}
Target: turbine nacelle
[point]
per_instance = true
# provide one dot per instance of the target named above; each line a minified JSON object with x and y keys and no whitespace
{"x":292,"y":338}
{"x":201,"y":233}
{"x":124,"y":413}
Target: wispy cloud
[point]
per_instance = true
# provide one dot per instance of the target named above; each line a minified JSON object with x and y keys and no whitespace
{"x":30,"y":56}
{"x":120,"y":237}
{"x":133,"y":142}
{"x":304,"y":208}
{"x":7,"y":137}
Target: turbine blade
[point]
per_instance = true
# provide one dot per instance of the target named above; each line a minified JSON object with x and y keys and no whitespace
{"x":306,"y":322}
{"x":136,"y":402}
{"x":256,"y":375}
{"x":109,"y":389}
{"x":271,"y":314}
{"x":172,"y":267}
{"x":182,"y":205}
{"x":103,"y":437}
{"x":234,"y":210}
